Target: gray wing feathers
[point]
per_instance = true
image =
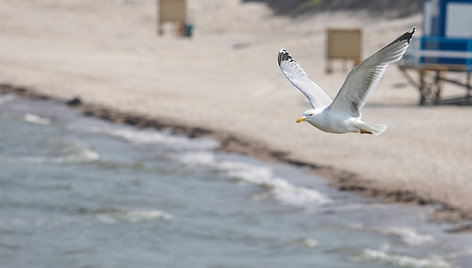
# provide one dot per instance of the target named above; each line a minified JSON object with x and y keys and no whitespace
{"x":363,"y":79}
{"x":299,"y":79}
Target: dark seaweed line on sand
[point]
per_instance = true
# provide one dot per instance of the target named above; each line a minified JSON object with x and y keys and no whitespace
{"x":342,"y":180}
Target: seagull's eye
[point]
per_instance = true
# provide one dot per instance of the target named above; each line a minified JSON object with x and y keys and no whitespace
{"x":310,"y":114}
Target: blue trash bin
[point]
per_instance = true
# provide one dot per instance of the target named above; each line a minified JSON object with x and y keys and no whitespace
{"x":188,"y":28}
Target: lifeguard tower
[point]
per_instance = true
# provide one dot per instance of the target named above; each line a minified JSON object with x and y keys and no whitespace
{"x":446,"y":46}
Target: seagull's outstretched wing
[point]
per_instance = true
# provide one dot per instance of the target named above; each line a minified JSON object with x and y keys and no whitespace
{"x":363,"y":79}
{"x":299,"y":79}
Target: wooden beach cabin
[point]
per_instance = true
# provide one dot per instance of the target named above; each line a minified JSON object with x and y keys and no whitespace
{"x":343,"y":44}
{"x":444,"y":48}
{"x":173,"y":11}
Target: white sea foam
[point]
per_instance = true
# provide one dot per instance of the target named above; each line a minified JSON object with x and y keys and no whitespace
{"x":309,"y":243}
{"x":247,"y":172}
{"x":72,"y":152}
{"x":409,"y":235}
{"x":77,"y":151}
{"x":155,"y":137}
{"x":383,"y":255}
{"x":279,"y":189}
{"x":36,"y":119}
{"x":197,"y":158}
{"x":133,"y":216}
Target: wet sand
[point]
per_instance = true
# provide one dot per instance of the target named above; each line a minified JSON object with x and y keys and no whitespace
{"x":224,"y":83}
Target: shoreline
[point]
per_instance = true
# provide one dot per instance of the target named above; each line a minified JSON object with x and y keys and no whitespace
{"x":229,"y":142}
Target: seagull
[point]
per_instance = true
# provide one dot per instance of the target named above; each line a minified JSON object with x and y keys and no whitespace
{"x":343,"y":115}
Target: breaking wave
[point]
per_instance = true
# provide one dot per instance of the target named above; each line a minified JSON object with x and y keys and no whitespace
{"x":138,"y":136}
{"x":277,"y":188}
{"x":407,"y":235}
{"x":309,"y":243}
{"x":36,"y":119}
{"x":384,"y":255}
{"x":71,"y":152}
{"x":134,"y":216}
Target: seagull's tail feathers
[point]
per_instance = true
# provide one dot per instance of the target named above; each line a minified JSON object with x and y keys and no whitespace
{"x":375,"y":129}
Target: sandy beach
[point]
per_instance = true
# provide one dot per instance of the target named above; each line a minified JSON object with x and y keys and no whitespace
{"x":226,"y":80}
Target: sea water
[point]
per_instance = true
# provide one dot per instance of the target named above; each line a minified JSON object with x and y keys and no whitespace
{"x":76,"y":191}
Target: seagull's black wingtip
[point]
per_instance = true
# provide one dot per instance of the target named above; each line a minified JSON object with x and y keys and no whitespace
{"x":405,"y":37}
{"x":408,"y":35}
{"x":284,"y":56}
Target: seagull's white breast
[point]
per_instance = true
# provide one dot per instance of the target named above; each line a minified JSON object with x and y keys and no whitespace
{"x":335,"y":123}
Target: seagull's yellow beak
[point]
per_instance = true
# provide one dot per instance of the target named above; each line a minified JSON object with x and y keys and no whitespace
{"x":301,"y":119}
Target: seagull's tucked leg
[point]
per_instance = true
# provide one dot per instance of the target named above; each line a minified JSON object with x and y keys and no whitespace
{"x":375,"y":129}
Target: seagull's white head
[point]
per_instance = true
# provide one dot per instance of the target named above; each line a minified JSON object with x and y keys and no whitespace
{"x":308,"y":115}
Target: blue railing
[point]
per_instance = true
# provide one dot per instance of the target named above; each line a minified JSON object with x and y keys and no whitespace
{"x":441,"y":51}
